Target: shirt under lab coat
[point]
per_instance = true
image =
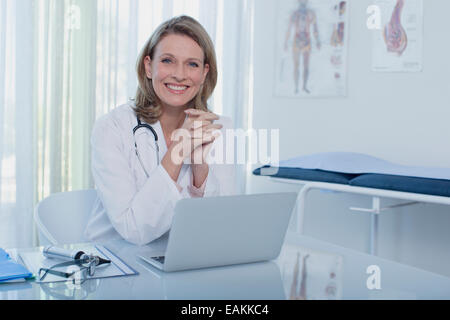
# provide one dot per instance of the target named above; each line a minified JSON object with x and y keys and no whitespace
{"x":130,"y":205}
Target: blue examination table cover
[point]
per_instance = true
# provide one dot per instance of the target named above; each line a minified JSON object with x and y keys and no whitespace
{"x":363,"y":171}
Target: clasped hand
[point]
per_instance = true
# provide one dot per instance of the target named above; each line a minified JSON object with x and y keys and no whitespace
{"x":195,"y":138}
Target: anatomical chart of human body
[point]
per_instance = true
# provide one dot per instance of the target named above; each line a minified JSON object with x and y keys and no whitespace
{"x":311,"y":48}
{"x":398,"y":44}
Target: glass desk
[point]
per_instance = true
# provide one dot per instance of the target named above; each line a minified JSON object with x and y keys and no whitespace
{"x":306,"y":269}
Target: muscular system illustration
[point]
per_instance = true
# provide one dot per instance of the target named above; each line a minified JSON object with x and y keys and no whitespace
{"x":394,"y":34}
{"x":302,"y":21}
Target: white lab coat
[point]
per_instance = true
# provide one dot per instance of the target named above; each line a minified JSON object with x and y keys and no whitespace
{"x":130,"y":205}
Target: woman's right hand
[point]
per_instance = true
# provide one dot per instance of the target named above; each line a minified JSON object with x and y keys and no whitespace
{"x":198,"y":129}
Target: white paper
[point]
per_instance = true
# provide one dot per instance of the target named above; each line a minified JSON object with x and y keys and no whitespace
{"x":357,"y":163}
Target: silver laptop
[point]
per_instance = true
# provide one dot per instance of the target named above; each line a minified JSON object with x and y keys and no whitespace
{"x":219,"y":231}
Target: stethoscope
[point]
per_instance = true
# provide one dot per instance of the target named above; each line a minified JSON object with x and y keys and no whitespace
{"x":149,"y":127}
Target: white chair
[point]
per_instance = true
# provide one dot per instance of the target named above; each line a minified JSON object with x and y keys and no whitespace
{"x":61,"y":218}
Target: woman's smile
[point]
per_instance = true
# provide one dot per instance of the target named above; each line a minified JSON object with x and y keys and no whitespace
{"x":176,"y":89}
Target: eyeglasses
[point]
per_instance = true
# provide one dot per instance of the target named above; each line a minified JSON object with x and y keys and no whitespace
{"x":86,"y":269}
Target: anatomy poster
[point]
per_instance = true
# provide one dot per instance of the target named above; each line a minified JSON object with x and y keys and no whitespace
{"x":311,"y":48}
{"x":398,"y":44}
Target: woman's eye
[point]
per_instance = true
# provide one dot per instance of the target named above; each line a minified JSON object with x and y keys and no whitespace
{"x":193,"y":64}
{"x":166,"y":60}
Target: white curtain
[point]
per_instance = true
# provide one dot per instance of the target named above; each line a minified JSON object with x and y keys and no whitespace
{"x":64,"y":63}
{"x":16,"y":124}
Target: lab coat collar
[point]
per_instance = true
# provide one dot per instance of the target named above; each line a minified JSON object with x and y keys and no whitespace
{"x":161,"y":138}
{"x":163,"y":147}
{"x":150,"y":138}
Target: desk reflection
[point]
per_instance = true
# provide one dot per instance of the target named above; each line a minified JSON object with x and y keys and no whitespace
{"x":69,"y":291}
{"x":259,"y":281}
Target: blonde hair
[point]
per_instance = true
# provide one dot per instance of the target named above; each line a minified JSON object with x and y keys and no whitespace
{"x":147,"y":103}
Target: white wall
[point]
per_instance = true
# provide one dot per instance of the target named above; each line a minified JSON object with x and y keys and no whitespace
{"x":400,"y":117}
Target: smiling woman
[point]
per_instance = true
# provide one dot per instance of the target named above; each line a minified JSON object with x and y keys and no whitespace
{"x":65,"y":63}
{"x":137,"y":193}
{"x":181,"y":43}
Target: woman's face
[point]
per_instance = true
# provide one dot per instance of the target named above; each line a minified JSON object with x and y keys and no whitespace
{"x":177,"y":70}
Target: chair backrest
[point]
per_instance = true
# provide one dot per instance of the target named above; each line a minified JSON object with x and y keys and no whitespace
{"x":61,"y":218}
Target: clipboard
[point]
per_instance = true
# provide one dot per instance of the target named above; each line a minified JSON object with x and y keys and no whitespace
{"x":34,"y":260}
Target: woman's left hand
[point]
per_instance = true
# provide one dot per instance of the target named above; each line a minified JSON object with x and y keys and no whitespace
{"x":203,"y":126}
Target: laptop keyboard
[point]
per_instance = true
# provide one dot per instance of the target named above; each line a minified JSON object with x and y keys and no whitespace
{"x":159,"y":259}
